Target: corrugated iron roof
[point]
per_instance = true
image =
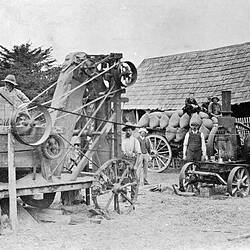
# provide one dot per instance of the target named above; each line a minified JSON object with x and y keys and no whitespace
{"x":164,"y":82}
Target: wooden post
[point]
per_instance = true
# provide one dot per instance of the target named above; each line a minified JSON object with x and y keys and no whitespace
{"x":117,"y":128}
{"x":12,"y":183}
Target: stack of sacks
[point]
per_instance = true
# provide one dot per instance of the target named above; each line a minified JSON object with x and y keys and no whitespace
{"x":171,"y":130}
{"x":206,"y":124}
{"x":176,"y":123}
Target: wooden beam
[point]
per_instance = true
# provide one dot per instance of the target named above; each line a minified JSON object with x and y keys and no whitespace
{"x":12,"y":182}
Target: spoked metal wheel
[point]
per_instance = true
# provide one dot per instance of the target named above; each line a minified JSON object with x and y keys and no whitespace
{"x":31,"y":125}
{"x":187,"y":180}
{"x":161,"y":153}
{"x":115,"y":182}
{"x":238,"y":182}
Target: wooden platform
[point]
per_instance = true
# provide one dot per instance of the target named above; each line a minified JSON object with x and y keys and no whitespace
{"x":28,"y":186}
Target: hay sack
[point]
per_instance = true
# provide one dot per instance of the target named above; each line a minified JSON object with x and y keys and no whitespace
{"x":203,"y":115}
{"x":164,"y":121}
{"x":157,"y":113}
{"x":169,"y":113}
{"x":208,"y":123}
{"x":184,"y":121}
{"x":170,"y":133}
{"x":174,"y":120}
{"x":154,"y":121}
{"x":144,"y":121}
{"x":180,"y":134}
{"x":195,"y":118}
{"x":205,"y":131}
{"x":180,"y":112}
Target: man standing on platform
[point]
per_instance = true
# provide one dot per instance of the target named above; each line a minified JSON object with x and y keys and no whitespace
{"x":145,"y":150}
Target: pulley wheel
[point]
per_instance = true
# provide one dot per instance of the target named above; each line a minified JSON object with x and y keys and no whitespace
{"x":126,"y":74}
{"x":52,"y":148}
{"x":31,"y":125}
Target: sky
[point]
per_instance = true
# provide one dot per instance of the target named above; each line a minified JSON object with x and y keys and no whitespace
{"x":137,"y":28}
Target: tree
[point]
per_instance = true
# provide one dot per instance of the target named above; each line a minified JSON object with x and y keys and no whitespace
{"x":33,"y":67}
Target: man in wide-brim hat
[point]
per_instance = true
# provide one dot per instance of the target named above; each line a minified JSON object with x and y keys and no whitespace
{"x":214,"y":108}
{"x":128,"y":125}
{"x":131,"y":150}
{"x":15,"y":96}
{"x":215,"y":98}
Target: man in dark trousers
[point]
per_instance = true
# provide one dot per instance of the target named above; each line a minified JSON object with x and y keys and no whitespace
{"x":145,"y":153}
{"x":194,"y":147}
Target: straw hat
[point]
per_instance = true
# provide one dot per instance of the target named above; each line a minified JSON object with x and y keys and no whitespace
{"x":142,"y":130}
{"x":11,"y":79}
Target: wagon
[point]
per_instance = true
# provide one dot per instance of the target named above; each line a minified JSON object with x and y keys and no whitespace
{"x":228,"y":151}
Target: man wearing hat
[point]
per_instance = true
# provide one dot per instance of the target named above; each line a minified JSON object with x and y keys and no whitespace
{"x":131,"y":151}
{"x":130,"y":145}
{"x":145,"y":152}
{"x":194,"y":147}
{"x":214,"y":108}
{"x":13,"y":95}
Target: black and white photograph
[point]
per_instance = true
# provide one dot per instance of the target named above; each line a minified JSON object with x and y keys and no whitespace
{"x":124,"y":125}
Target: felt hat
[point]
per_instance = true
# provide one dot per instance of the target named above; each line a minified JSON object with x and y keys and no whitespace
{"x":142,"y":130}
{"x":11,"y":79}
{"x":128,"y":125}
{"x":195,"y":123}
{"x":215,"y":97}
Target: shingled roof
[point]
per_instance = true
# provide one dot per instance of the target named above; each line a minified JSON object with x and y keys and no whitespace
{"x":164,"y":82}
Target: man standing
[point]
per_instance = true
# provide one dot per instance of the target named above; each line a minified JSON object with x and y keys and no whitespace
{"x":131,"y":152}
{"x":145,"y":150}
{"x":194,"y":146}
{"x":130,"y":146}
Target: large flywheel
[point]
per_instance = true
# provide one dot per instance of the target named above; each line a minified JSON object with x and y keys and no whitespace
{"x":116,"y":183}
{"x":31,"y":125}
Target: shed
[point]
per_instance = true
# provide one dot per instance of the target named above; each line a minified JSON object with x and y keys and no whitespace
{"x":164,"y":82}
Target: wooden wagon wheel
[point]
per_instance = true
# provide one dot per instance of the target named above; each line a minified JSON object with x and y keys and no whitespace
{"x":238,"y":182}
{"x":161,"y":153}
{"x":187,"y":180}
{"x":115,"y":180}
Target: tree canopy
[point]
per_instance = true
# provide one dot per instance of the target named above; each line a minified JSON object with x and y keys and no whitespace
{"x":33,"y":67}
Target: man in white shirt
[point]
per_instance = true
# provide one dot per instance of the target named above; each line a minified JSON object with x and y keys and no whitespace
{"x":194,"y":147}
{"x":131,"y":152}
{"x":130,"y":145}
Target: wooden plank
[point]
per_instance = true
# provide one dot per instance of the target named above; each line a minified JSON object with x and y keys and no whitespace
{"x":12,"y":182}
{"x":27,"y":186}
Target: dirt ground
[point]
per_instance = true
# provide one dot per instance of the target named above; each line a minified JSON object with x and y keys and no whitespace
{"x":160,"y":221}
